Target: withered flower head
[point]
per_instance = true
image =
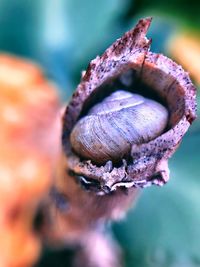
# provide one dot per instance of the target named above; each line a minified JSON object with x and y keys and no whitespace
{"x":127,"y":116}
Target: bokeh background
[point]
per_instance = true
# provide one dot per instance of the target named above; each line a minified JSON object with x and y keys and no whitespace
{"x":63,"y":36}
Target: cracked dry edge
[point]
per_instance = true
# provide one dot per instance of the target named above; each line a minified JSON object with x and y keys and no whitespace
{"x":149,"y":161}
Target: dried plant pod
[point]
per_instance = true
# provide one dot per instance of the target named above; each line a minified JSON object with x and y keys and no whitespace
{"x":129,"y":65}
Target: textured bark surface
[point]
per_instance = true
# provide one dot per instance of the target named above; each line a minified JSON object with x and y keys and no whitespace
{"x":148,"y":162}
{"x":74,"y":211}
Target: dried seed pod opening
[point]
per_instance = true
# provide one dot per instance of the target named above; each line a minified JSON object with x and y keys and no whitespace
{"x":129,"y":65}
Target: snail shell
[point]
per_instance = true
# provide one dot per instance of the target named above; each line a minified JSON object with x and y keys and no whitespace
{"x":110,"y":128}
{"x":147,"y":163}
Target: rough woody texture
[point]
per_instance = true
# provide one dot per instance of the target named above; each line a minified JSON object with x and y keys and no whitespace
{"x":29,"y":146}
{"x":148,"y":162}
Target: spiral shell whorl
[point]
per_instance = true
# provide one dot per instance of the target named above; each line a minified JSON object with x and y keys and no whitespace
{"x":112,"y":126}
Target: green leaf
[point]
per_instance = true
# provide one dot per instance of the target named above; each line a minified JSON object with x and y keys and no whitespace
{"x":185,"y":12}
{"x":74,"y":31}
{"x":63,"y":36}
{"x":196,"y":124}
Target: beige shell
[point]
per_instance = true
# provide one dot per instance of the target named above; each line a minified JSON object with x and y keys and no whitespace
{"x":111,"y":127}
{"x":130,"y":62}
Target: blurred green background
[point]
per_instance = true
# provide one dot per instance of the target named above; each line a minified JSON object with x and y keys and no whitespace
{"x":63,"y":36}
